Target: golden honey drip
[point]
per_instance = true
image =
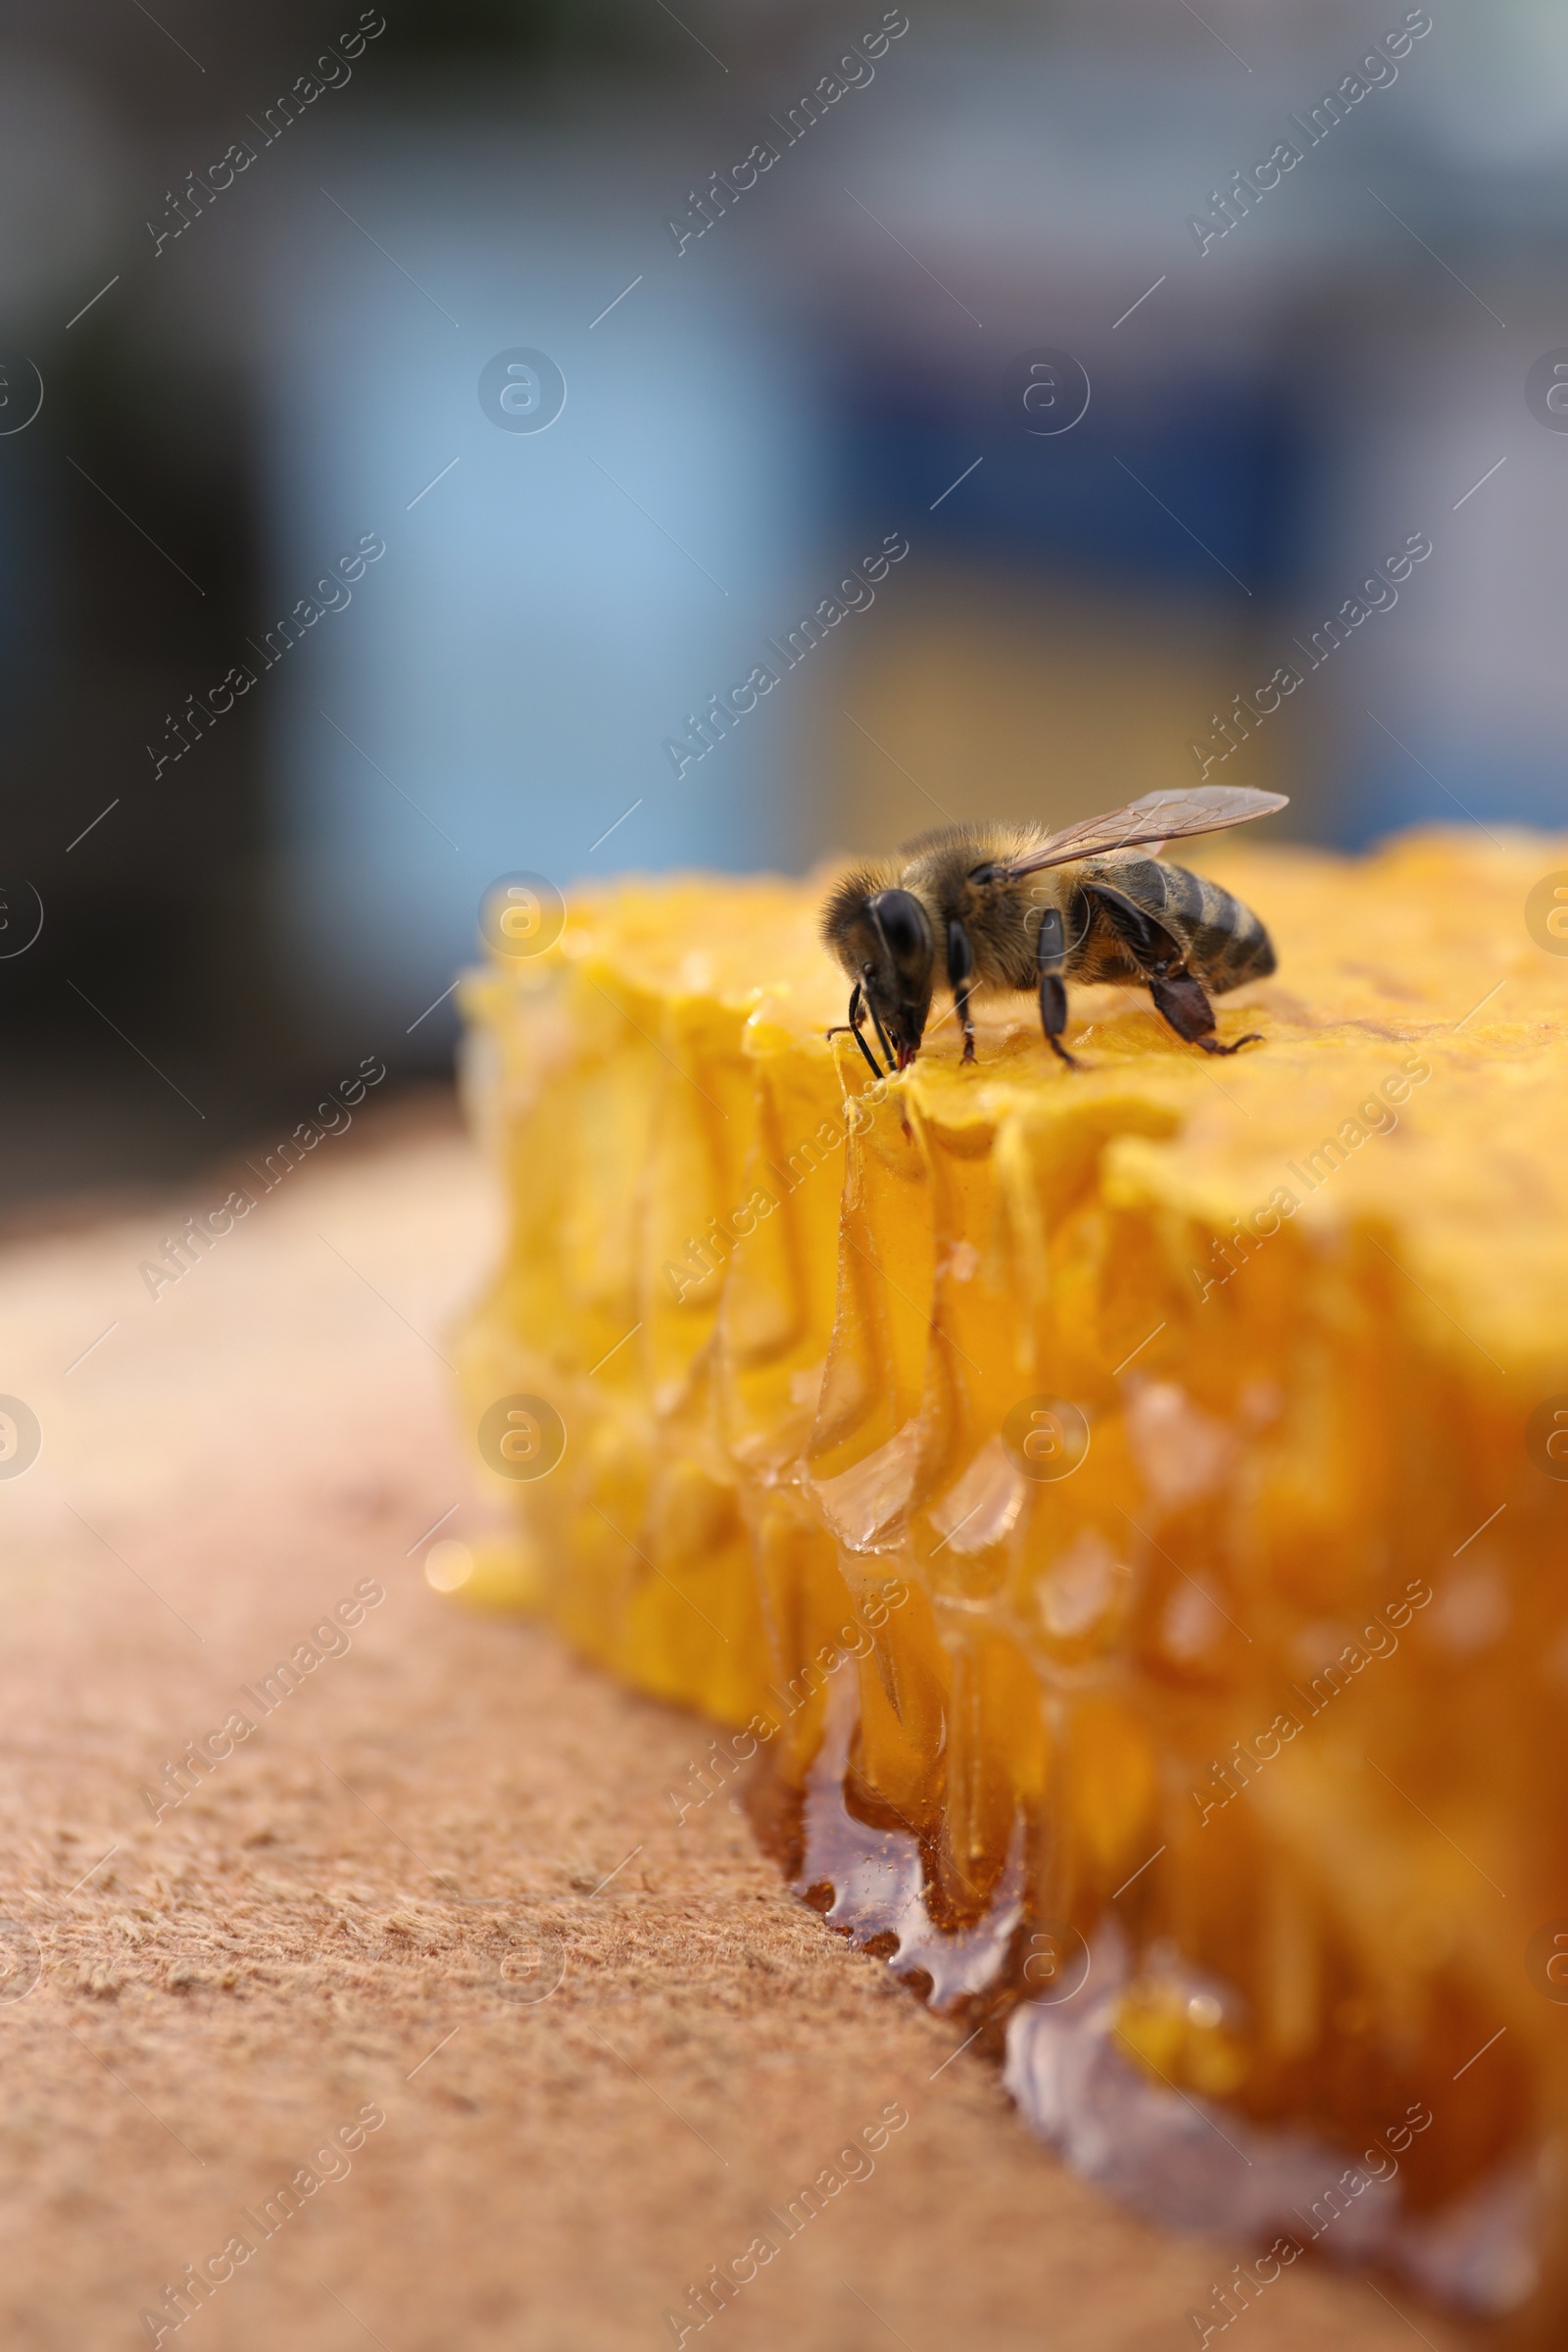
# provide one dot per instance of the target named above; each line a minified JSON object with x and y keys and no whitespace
{"x":1274,"y":1674}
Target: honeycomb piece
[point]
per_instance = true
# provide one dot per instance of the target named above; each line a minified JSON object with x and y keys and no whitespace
{"x":1121,"y":1517}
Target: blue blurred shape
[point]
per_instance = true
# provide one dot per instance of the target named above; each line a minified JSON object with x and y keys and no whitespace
{"x":552,"y":602}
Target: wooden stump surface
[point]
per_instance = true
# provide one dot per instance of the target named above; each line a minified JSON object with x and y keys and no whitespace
{"x":360,"y":1907}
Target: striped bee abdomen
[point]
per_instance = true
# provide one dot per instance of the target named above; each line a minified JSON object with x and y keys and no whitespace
{"x":1226,"y":943}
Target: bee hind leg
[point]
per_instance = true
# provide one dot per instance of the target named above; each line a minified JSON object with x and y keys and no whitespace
{"x":1157,"y":953}
{"x":1185,"y":1004}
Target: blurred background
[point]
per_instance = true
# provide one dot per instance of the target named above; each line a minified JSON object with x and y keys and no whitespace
{"x":1153,"y":334}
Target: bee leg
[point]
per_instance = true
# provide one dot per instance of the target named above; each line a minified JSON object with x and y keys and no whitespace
{"x":1185,"y":1004}
{"x":1158,"y":956}
{"x":1050,"y":948}
{"x":852,"y":1027}
{"x":882,"y":1036}
{"x":960,"y":968}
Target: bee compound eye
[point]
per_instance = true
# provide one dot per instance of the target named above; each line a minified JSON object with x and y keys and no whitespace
{"x":901,"y":919}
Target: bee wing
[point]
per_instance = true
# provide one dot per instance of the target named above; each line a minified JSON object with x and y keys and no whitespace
{"x":1156,"y":817}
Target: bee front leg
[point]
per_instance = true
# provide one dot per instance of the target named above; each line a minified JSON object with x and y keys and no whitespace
{"x":882,"y":1038}
{"x":961,"y":970}
{"x":852,"y":1026}
{"x":1050,"y":949}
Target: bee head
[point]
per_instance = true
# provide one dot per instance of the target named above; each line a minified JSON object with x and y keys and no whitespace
{"x":883,"y":940}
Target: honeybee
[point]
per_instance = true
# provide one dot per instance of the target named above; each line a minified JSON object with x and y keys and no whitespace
{"x":1012,"y":907}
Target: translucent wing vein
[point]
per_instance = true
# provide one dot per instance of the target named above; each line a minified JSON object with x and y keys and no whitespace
{"x":1152,"y":818}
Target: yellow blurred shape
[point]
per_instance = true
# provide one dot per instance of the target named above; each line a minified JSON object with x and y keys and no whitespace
{"x":497,"y":1574}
